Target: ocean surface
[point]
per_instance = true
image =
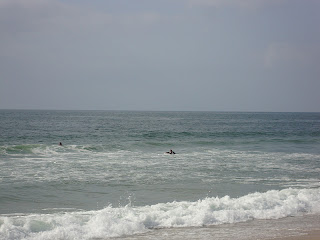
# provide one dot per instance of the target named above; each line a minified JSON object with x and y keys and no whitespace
{"x":234,"y":175}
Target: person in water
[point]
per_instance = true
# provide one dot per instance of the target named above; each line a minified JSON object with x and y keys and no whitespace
{"x":60,"y":143}
{"x":171,"y":152}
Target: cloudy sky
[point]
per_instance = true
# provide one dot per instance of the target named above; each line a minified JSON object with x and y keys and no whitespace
{"x":201,"y":55}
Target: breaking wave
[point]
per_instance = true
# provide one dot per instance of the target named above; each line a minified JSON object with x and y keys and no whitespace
{"x":129,"y":220}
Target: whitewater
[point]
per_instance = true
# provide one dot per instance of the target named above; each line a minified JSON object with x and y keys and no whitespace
{"x":240,"y":175}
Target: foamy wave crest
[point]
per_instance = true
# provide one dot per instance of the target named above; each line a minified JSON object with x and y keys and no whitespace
{"x":128,"y":220}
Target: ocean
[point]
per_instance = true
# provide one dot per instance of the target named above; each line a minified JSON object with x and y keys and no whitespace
{"x":235,"y":175}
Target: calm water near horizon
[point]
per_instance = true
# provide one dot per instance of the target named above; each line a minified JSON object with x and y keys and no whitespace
{"x":112,"y":177}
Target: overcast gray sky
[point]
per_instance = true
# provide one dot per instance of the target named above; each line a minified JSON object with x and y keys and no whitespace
{"x":214,"y":55}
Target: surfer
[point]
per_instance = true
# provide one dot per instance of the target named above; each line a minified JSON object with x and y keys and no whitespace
{"x":171,"y":152}
{"x":60,"y":143}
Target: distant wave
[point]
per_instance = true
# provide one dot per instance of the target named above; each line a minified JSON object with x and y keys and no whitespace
{"x":40,"y":149}
{"x":19,"y":149}
{"x":128,"y":220}
{"x":222,"y":134}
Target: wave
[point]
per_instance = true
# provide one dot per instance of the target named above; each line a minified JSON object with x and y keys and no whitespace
{"x":41,"y":149}
{"x":18,"y":149}
{"x":129,"y":220}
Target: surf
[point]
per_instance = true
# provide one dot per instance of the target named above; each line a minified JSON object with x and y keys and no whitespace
{"x":129,"y":220}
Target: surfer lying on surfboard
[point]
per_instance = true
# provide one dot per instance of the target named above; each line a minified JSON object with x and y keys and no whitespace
{"x":171,"y":152}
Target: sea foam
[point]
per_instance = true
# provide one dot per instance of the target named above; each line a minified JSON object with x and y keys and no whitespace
{"x":128,"y":220}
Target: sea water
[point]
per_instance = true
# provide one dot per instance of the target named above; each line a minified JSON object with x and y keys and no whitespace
{"x":233,"y":173}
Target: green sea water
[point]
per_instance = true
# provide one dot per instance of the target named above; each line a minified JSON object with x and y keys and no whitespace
{"x":114,"y":162}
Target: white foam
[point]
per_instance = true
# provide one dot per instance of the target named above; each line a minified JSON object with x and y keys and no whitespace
{"x":128,"y":220}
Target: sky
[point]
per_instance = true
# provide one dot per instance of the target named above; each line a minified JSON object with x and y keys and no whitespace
{"x":160,"y":55}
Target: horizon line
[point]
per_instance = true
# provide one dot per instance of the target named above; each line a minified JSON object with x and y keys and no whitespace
{"x":136,"y":110}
